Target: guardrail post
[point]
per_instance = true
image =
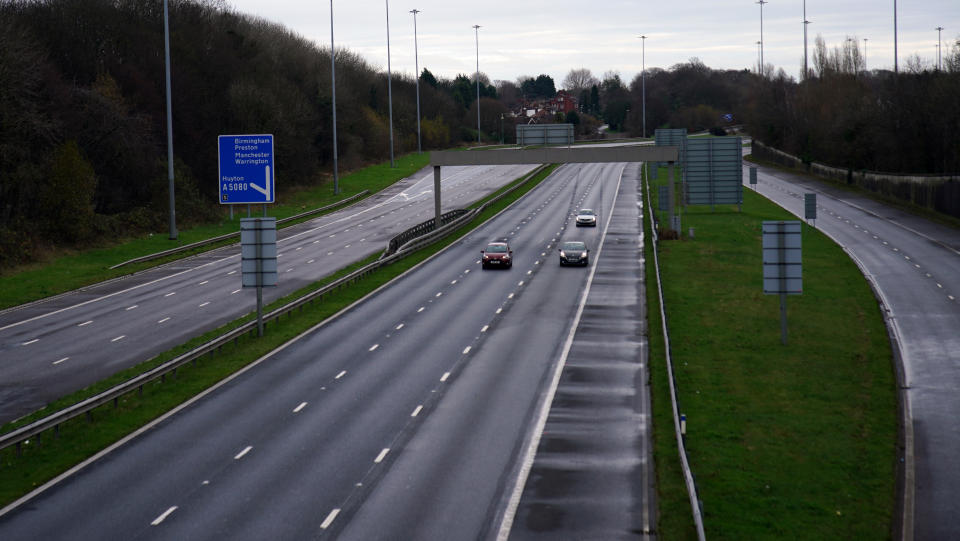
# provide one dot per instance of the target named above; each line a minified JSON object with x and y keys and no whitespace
{"x":115,"y":401}
{"x":90,"y":416}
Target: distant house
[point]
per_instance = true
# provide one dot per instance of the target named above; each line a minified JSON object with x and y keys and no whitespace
{"x":542,"y":110}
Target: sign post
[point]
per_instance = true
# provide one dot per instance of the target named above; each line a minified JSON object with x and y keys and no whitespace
{"x":258,"y":264}
{"x":810,"y":207}
{"x":782,"y":265}
{"x":753,"y":178}
{"x":246,"y":169}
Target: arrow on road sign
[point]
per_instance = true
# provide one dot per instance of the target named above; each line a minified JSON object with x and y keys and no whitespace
{"x":265,"y":191}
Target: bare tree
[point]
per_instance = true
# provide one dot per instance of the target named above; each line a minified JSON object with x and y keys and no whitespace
{"x":578,"y":80}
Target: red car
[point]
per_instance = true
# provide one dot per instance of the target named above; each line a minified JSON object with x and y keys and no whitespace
{"x":497,"y":254}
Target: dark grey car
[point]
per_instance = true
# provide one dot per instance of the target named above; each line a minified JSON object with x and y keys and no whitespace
{"x":574,"y":252}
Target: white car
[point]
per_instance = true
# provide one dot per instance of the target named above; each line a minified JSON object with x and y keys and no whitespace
{"x":586,"y":217}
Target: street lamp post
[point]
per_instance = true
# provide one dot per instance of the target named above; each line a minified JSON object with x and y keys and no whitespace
{"x":333,"y":89}
{"x":501,"y":128}
{"x":939,"y":29}
{"x":416,"y":69}
{"x":173,"y":200}
{"x":389,"y":85}
{"x":761,"y":2}
{"x":476,"y":33}
{"x":896,"y":68}
{"x":865,"y":54}
{"x":805,"y":23}
{"x":643,"y":81}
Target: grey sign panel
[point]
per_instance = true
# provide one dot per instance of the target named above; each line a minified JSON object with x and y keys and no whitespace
{"x":753,"y":175}
{"x":258,"y":250}
{"x":654,"y":168}
{"x":810,"y":206}
{"x":782,"y":258}
{"x":663,"y":199}
{"x":714,"y":171}
{"x":544,"y":134}
{"x":671,"y":137}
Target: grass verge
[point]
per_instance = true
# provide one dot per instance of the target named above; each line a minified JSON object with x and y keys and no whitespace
{"x":46,"y":457}
{"x":72,"y":271}
{"x":794,"y":441}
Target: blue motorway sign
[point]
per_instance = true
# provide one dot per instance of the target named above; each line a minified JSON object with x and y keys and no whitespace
{"x":246,"y":169}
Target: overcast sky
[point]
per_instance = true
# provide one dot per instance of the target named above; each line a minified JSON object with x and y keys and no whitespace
{"x":523,"y":37}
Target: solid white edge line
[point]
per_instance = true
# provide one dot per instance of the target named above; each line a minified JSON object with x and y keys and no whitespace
{"x":382,"y":455}
{"x":240,"y":455}
{"x":161,"y":518}
{"x":329,"y":520}
{"x":510,"y":512}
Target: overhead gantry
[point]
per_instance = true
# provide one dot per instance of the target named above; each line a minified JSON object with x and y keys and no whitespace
{"x":536,"y":156}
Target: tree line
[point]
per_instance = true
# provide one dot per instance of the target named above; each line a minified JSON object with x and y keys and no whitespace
{"x":83,"y":126}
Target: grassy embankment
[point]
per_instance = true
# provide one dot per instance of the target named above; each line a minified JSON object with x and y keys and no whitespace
{"x":51,"y":454}
{"x":794,"y":441}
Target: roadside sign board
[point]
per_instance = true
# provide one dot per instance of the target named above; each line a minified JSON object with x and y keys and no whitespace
{"x":663,"y":198}
{"x":671,"y":137}
{"x":246,"y":169}
{"x":782,"y":258}
{"x":810,"y":206}
{"x":753,"y":176}
{"x":714,"y":171}
{"x":544,"y":134}
{"x":258,"y":246}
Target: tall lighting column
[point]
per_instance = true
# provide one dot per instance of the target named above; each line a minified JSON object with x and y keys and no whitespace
{"x":476,"y":33}
{"x":761,"y":2}
{"x":173,"y":200}
{"x":643,"y":80}
{"x":333,"y":88}
{"x":805,"y":23}
{"x":416,"y":69}
{"x":389,"y":85}
{"x":896,"y":68}
{"x":939,"y":56}
{"x":865,"y":54}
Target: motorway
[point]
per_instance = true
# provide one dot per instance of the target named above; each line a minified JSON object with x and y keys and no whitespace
{"x":915,"y":264}
{"x":53,"y":347}
{"x":409,"y":416}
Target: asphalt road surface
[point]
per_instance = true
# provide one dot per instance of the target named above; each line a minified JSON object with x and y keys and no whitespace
{"x":915,"y":264}
{"x":406,"y":417}
{"x":62,"y":344}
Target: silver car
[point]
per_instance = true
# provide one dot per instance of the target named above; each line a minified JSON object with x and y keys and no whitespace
{"x":586,"y":217}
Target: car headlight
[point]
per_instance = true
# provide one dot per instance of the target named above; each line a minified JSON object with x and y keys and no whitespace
{"x":563,"y":254}
{"x":506,"y":258}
